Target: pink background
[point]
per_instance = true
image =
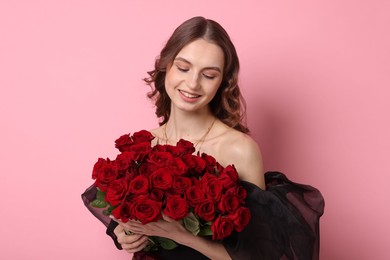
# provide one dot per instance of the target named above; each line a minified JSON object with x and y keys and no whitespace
{"x":315,"y":75}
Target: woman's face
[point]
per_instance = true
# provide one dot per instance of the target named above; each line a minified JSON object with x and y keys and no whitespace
{"x":195,"y":75}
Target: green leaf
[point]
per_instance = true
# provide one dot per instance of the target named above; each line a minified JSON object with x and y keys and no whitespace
{"x":152,"y":246}
{"x":191,"y":223}
{"x":100,"y":195}
{"x":205,"y":231}
{"x":109,"y":210}
{"x":166,"y":243}
{"x":99,"y":203}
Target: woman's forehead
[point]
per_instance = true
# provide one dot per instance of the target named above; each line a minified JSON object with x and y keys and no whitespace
{"x":202,"y":53}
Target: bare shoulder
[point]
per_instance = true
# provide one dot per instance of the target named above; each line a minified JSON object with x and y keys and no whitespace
{"x":241,"y":144}
{"x":241,"y":150}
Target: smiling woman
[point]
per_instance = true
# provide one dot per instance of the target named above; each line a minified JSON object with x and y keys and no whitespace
{"x":194,"y":86}
{"x":227,"y":104}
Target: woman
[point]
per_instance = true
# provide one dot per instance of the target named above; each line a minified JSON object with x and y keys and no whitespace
{"x":194,"y":86}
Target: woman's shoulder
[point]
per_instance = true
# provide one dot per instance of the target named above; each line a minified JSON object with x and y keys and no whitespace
{"x":236,"y":143}
{"x":242,"y":151}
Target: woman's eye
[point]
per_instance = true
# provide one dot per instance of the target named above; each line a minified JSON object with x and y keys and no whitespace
{"x":182,"y":69}
{"x":208,"y":76}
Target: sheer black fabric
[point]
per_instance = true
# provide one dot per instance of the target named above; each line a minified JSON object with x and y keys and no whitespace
{"x":284,"y":223}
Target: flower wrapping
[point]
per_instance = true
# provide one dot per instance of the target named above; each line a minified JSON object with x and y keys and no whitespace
{"x":143,"y":182}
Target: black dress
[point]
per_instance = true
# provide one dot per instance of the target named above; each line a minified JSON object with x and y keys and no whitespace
{"x":284,"y":224}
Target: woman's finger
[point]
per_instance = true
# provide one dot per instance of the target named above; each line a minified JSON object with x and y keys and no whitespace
{"x":129,"y":239}
{"x":137,"y":245}
{"x":166,"y":218}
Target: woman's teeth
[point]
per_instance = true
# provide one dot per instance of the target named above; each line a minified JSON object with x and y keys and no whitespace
{"x":189,"y":95}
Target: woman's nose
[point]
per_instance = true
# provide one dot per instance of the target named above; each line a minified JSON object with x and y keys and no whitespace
{"x":193,"y":81}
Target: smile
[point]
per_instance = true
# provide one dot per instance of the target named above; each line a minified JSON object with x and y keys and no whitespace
{"x":188,"y":95}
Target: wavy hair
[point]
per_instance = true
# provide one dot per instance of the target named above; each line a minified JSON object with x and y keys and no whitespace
{"x":227,"y":104}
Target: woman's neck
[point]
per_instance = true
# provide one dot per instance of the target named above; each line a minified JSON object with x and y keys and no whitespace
{"x":191,"y":126}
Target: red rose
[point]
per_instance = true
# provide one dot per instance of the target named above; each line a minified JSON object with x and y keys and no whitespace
{"x":98,"y":167}
{"x":131,"y":173}
{"x":218,"y":168}
{"x":123,"y":143}
{"x":176,"y":207}
{"x":211,"y":164}
{"x":145,"y":209}
{"x":157,"y":195}
{"x":122,"y":212}
{"x":109,"y":173}
{"x":125,"y":160}
{"x":185,"y":146}
{"x":195,"y":195}
{"x":159,"y":158}
{"x":228,"y":176}
{"x":210,"y":160}
{"x":159,"y":148}
{"x":147,"y":169}
{"x":240,"y":193}
{"x":205,"y":210}
{"x":240,"y":218}
{"x":221,"y":227}
{"x":177,"y":166}
{"x":116,"y":191}
{"x":139,"y":185}
{"x":142,"y":136}
{"x":172,"y":150}
{"x":181,"y":184}
{"x":187,"y":159}
{"x":194,"y":181}
{"x":229,"y":202}
{"x":211,"y":186}
{"x":200,"y":164}
{"x":161,"y":179}
{"x":140,"y":150}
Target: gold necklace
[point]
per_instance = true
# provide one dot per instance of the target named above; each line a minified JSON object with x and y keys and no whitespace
{"x":200,"y":141}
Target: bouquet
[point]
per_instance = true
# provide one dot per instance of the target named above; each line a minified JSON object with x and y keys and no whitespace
{"x":144,"y":181}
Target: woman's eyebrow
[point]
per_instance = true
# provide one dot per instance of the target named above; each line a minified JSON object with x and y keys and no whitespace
{"x":207,"y":68}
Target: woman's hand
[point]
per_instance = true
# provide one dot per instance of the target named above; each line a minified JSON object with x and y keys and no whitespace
{"x":165,"y":227}
{"x":172,"y":229}
{"x":131,"y":243}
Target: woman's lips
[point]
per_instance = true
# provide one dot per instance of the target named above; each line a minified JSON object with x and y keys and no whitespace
{"x":188,"y":95}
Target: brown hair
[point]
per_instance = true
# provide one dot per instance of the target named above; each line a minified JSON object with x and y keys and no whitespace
{"x":228,"y":104}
